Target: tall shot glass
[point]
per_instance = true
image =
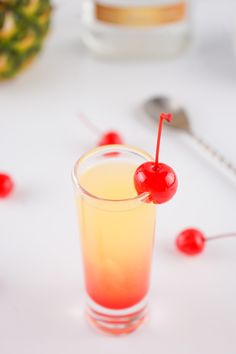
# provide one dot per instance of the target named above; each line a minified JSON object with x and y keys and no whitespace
{"x":117,"y":235}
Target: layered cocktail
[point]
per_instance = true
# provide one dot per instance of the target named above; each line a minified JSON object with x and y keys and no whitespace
{"x":118,"y":188}
{"x":117,"y":232}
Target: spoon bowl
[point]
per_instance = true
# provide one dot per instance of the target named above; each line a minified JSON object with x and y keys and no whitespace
{"x":180,"y":121}
{"x":156,"y":105}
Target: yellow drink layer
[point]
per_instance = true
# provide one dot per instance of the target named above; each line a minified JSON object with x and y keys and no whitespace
{"x":117,"y":236}
{"x":112,"y":180}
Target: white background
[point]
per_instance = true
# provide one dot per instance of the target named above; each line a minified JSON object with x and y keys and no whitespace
{"x":193,"y":300}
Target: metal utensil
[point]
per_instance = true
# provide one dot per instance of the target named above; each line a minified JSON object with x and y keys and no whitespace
{"x":180,"y":121}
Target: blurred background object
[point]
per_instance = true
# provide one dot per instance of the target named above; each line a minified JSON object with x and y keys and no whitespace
{"x":140,"y":28}
{"x":23,"y":27}
{"x":181,"y":121}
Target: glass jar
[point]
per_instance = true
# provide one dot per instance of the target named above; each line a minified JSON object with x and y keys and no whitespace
{"x":136,"y":28}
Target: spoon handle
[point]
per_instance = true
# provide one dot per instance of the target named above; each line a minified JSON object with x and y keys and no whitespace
{"x":214,"y":153}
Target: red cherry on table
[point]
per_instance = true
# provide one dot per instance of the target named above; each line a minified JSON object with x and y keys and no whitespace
{"x":161,"y":182}
{"x":190,"y":241}
{"x":110,"y":137}
{"x":6,"y":185}
{"x":158,"y":179}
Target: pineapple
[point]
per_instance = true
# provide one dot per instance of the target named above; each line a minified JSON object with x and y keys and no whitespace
{"x":23,"y":26}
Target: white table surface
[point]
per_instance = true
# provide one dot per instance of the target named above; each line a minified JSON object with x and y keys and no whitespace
{"x":193,"y":300}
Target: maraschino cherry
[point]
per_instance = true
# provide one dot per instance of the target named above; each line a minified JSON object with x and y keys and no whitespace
{"x":107,"y":138}
{"x":192,"y":241}
{"x":6,"y":185}
{"x":154,"y":177}
{"x":110,"y":137}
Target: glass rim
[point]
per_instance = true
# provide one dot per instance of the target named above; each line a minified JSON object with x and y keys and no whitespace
{"x":109,"y":149}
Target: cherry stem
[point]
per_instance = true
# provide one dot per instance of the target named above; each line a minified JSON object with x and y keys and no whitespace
{"x":168,"y":118}
{"x":212,"y":238}
{"x":87,"y":122}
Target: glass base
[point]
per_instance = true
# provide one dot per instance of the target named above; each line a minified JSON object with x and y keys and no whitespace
{"x":138,"y":47}
{"x":116,"y":322}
